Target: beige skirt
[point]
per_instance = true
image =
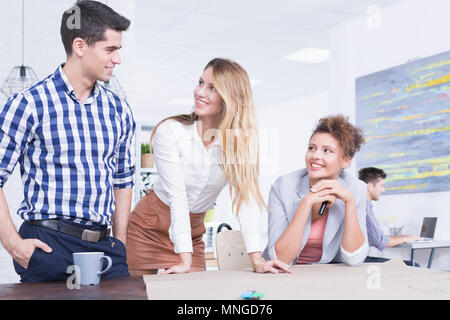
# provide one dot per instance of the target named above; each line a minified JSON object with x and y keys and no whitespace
{"x":148,"y":242}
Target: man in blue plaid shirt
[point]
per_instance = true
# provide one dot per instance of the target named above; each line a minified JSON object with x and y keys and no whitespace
{"x":72,"y":139}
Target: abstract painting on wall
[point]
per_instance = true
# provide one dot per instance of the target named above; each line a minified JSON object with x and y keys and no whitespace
{"x":405,"y":114}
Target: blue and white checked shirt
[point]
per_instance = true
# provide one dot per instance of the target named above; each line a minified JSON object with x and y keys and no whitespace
{"x":72,"y":156}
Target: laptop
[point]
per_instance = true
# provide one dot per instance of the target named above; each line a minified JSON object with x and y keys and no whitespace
{"x":427,"y":231}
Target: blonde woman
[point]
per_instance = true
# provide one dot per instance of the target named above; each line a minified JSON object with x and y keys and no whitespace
{"x":196,"y":156}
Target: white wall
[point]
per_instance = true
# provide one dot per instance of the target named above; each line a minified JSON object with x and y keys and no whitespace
{"x":285,"y":130}
{"x":409,"y":29}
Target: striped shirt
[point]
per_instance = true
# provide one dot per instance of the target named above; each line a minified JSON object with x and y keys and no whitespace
{"x":375,"y":235}
{"x":72,"y":155}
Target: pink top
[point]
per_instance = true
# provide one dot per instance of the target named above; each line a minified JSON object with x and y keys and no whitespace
{"x":312,"y":252}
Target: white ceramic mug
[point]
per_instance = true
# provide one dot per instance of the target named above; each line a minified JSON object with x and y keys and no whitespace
{"x":90,"y":266}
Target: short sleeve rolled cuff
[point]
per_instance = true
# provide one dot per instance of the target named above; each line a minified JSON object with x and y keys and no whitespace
{"x":384,"y":242}
{"x":124,"y":180}
{"x":123,"y":177}
{"x":357,"y":257}
{"x":250,"y":221}
{"x":182,"y":242}
{"x":252,"y":242}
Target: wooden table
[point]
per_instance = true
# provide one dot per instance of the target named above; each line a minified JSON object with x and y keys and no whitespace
{"x":126,"y":288}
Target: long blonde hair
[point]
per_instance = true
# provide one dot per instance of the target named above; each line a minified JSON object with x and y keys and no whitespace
{"x":237,"y":128}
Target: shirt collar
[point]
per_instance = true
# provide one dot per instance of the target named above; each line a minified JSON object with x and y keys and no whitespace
{"x":62,"y":81}
{"x":196,"y":136}
{"x":194,"y":132}
{"x":303,"y":187}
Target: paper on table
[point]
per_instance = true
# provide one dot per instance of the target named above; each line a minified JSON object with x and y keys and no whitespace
{"x":326,"y":281}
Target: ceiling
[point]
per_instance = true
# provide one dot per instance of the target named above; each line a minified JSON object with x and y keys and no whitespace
{"x":175,"y":40}
{"x":172,"y":40}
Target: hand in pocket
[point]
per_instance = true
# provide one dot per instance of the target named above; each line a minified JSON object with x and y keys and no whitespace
{"x":24,"y":249}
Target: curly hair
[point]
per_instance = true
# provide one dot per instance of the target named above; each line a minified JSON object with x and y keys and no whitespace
{"x":350,"y":137}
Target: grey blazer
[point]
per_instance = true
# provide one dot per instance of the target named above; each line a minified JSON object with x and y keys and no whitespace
{"x":284,"y":198}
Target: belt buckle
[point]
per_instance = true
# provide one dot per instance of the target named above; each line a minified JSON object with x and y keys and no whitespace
{"x":91,"y":236}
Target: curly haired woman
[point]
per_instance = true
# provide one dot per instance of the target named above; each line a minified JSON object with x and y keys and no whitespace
{"x":298,"y":233}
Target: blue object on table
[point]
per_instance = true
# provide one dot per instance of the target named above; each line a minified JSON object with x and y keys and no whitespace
{"x":252,"y":295}
{"x":248,"y":294}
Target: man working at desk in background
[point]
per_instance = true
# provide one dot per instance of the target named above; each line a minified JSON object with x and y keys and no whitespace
{"x":374,"y":177}
{"x":72,"y":139}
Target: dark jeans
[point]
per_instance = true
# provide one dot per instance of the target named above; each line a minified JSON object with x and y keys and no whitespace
{"x":376,"y":259}
{"x":53,"y":266}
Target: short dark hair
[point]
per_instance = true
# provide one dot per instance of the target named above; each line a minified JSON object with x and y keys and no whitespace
{"x":94,"y":18}
{"x":350,"y":137}
{"x":371,"y":174}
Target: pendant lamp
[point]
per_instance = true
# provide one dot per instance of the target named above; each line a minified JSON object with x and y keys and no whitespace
{"x":21,"y":76}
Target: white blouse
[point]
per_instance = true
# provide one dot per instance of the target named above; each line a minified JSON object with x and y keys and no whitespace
{"x":190,"y":179}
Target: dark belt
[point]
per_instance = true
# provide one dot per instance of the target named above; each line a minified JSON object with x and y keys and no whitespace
{"x":79,"y":232}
